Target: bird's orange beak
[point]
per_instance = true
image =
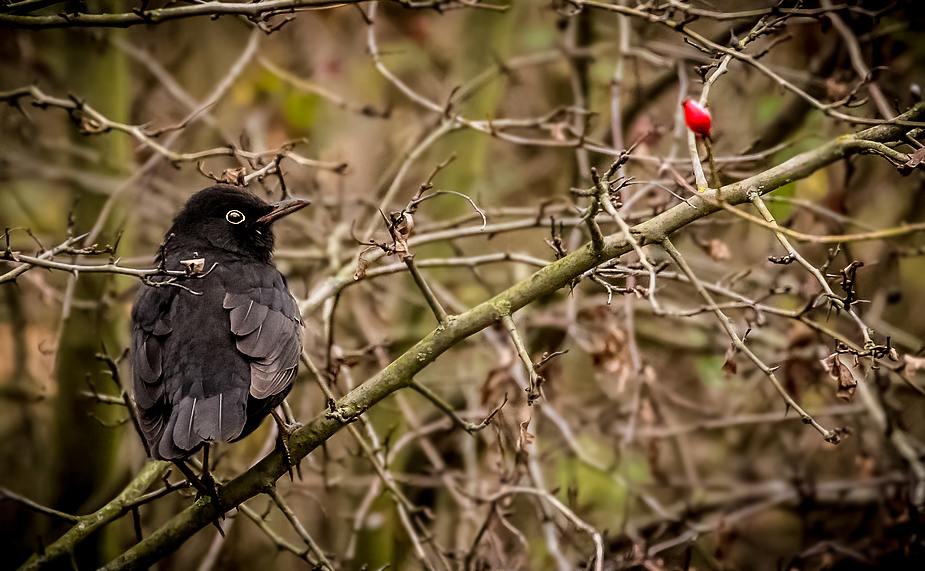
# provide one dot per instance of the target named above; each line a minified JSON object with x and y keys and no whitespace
{"x":283,"y":208}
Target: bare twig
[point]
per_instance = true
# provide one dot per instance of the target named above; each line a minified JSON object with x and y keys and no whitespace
{"x":283,"y":506}
{"x":829,"y":435}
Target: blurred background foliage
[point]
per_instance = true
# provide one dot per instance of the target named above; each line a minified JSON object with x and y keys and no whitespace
{"x":658,"y":426}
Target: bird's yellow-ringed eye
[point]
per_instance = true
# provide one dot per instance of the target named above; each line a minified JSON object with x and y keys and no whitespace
{"x":234,"y":217}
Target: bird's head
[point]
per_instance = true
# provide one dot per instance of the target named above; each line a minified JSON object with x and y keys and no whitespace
{"x":230,"y":218}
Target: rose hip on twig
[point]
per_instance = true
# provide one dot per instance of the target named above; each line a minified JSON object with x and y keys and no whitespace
{"x":699,"y":121}
{"x":697,"y":118}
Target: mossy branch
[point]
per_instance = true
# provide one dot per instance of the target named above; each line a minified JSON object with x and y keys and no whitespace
{"x":89,"y":524}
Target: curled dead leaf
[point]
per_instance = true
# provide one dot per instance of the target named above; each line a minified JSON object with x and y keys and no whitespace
{"x":525,"y":438}
{"x":915,"y":160}
{"x":404,"y":225}
{"x":846,"y":370}
{"x":234,"y":176}
{"x":362,"y":265}
{"x":730,"y":366}
{"x":600,"y":335}
{"x":193,"y":266}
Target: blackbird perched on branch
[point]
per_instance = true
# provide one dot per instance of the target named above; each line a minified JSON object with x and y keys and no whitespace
{"x":215,"y":352}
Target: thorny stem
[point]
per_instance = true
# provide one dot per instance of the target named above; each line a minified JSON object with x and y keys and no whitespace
{"x":45,"y":256}
{"x":280,"y":502}
{"x":275,"y":537}
{"x":533,"y":389}
{"x":901,"y":230}
{"x":604,"y":188}
{"x":714,"y":172}
{"x":36,"y":507}
{"x":699,"y":177}
{"x":378,"y":461}
{"x":857,"y":60}
{"x":428,"y":293}
{"x":829,"y":435}
{"x":834,"y":299}
{"x":444,"y":406}
{"x":565,"y":511}
{"x":444,"y":128}
{"x":743,"y":57}
{"x":597,"y":237}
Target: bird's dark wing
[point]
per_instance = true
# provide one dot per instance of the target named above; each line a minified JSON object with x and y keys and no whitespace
{"x":209,"y":365}
{"x":268,"y":330}
{"x":190,"y":381}
{"x":151,"y":327}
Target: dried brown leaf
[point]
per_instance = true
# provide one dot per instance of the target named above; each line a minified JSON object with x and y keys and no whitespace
{"x":194,"y":266}
{"x":525,"y":438}
{"x":717,"y":250}
{"x":600,"y":335}
{"x":730,"y":366}
{"x":916,"y":159}
{"x":362,"y":266}
{"x":234,"y":176}
{"x":845,"y":370}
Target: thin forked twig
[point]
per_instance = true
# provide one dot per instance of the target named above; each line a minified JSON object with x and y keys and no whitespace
{"x":829,"y":435}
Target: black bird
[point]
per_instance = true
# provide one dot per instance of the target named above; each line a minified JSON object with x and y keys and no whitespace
{"x":213,"y":355}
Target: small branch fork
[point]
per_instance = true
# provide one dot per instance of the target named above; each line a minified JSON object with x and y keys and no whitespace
{"x":596,"y":538}
{"x":400,"y":225}
{"x":605,"y":197}
{"x":126,"y":502}
{"x":645,"y":13}
{"x":67,"y":247}
{"x":793,"y":254}
{"x":403,"y":227}
{"x":408,"y":513}
{"x":322,"y":561}
{"x":444,"y":406}
{"x":534,"y":381}
{"x":38,"y":508}
{"x":277,"y":540}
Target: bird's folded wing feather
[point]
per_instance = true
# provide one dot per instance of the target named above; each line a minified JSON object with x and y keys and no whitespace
{"x":151,"y":319}
{"x":268,"y":330}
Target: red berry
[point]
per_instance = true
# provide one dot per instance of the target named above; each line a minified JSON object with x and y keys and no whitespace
{"x":697,"y":118}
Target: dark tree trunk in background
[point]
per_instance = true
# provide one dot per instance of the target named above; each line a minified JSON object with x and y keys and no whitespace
{"x":86,"y":450}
